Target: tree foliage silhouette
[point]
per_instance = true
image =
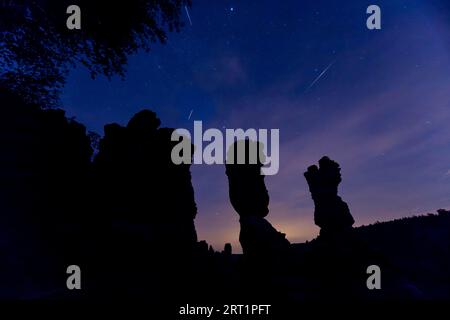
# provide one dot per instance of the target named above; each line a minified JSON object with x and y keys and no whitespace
{"x":37,"y":49}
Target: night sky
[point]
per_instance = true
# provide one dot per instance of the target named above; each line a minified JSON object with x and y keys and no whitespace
{"x":381,"y":109}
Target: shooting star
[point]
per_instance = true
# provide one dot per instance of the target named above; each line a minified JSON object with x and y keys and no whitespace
{"x":320,"y":76}
{"x":188,"y":15}
{"x":190,"y":114}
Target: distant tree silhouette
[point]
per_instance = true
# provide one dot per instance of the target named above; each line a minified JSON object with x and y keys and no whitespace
{"x":331,"y":214}
{"x":250,"y":199}
{"x":37,"y":49}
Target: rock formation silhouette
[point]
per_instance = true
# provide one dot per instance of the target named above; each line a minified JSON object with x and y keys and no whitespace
{"x":127,"y":218}
{"x":227,"y":249}
{"x":139,"y":184}
{"x":146,"y":204}
{"x":250,"y":199}
{"x":131,"y":208}
{"x":331,"y":213}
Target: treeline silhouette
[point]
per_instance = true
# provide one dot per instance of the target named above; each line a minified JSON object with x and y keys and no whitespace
{"x":126,"y":214}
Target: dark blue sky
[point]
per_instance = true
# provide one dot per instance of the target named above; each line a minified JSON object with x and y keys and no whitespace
{"x":381,"y":110}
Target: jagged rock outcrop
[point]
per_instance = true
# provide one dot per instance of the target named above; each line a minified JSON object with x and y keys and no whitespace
{"x":250,"y":199}
{"x":227,"y":249}
{"x":331,"y":213}
{"x":141,"y":188}
{"x":145,"y":208}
